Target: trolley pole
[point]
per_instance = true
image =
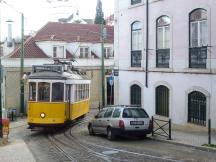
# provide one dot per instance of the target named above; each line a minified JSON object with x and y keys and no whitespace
{"x":21,"y":67}
{"x":102,"y":65}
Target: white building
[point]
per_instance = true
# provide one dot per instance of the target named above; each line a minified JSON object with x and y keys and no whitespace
{"x":175,"y":77}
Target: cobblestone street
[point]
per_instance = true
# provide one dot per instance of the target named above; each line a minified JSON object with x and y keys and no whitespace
{"x":75,"y":144}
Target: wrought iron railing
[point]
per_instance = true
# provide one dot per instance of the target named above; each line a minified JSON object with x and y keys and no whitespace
{"x":136,"y":57}
{"x":162,"y":58}
{"x":162,"y":128}
{"x":133,"y":2}
{"x":197,"y":57}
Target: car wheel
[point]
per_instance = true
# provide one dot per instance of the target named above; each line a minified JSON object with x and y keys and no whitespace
{"x":90,"y":129}
{"x":110,"y":135}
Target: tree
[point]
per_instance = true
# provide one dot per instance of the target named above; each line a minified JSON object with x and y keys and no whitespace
{"x":99,"y":17}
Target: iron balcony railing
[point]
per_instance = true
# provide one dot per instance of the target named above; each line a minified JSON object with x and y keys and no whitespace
{"x":162,"y":58}
{"x":197,"y":57}
{"x":133,"y":2}
{"x":136,"y":58}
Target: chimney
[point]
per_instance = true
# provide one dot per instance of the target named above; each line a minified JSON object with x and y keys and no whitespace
{"x":9,"y":37}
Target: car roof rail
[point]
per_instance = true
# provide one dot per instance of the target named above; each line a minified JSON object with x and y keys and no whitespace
{"x":123,"y":105}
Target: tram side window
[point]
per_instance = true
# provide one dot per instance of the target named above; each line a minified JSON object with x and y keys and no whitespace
{"x":32,"y":91}
{"x":81,"y":92}
{"x":57,"y":92}
{"x":43,"y":91}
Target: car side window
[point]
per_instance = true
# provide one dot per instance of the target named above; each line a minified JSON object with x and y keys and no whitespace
{"x":116,"y":113}
{"x":101,"y":114}
{"x":108,"y":113}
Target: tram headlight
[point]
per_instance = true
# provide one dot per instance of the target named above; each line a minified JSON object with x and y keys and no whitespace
{"x":42,"y":115}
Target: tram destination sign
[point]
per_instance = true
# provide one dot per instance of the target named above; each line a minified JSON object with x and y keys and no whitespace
{"x":51,"y":68}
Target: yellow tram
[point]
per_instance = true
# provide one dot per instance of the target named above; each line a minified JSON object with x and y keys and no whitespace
{"x":57,"y":94}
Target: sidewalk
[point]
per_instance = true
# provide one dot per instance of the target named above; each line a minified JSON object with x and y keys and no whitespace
{"x":189,"y":135}
{"x":15,"y":150}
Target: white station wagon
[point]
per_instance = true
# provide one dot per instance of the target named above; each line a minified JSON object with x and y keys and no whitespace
{"x":121,"y":120}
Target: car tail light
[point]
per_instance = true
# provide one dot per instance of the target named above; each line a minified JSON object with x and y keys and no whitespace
{"x":121,"y":124}
{"x":150,"y":125}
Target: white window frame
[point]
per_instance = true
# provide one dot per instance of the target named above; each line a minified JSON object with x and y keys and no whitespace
{"x":58,"y":51}
{"x":198,"y":34}
{"x":108,"y":54}
{"x":164,"y":36}
{"x":84,"y":52}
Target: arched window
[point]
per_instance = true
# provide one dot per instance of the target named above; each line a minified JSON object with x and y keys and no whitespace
{"x":135,"y":95}
{"x":198,"y":38}
{"x":197,"y":108}
{"x":136,"y":44}
{"x":163,"y":42}
{"x":162,"y":101}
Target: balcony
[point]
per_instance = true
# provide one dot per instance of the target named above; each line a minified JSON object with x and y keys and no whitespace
{"x":197,"y":57}
{"x":162,"y":58}
{"x":133,"y":2}
{"x":136,"y":58}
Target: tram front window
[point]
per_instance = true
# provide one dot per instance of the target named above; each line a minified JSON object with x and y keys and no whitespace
{"x":32,"y":91}
{"x":43,"y":91}
{"x":57,"y":92}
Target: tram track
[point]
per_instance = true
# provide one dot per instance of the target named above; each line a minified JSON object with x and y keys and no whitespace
{"x":59,"y":143}
{"x":60,"y":148}
{"x":68,"y":144}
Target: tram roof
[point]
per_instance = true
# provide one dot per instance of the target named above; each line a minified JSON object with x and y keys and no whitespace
{"x":58,"y":76}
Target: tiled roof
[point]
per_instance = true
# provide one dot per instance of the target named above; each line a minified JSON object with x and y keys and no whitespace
{"x":56,"y":31}
{"x":30,"y":50}
{"x":69,"y":55}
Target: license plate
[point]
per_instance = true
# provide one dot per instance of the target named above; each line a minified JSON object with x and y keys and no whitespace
{"x":137,"y":123}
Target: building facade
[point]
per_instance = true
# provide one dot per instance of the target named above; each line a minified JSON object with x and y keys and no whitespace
{"x":56,"y":40}
{"x":166,"y":58}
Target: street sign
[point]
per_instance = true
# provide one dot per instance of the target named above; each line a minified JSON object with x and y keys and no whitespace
{"x":116,"y":72}
{"x":111,"y":80}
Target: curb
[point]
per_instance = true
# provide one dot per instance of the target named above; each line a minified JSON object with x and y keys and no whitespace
{"x":202,"y":148}
{"x":3,"y":142}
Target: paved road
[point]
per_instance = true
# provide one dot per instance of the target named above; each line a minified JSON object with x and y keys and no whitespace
{"x":82,"y":147}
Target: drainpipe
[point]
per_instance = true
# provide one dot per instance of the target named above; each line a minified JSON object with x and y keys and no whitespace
{"x":147,"y":41}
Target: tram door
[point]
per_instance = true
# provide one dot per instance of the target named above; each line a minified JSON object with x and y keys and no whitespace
{"x":67,"y":99}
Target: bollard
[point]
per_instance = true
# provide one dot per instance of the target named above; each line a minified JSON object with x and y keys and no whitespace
{"x":152,"y":126}
{"x":170,"y":128}
{"x":209,"y":131}
{"x":12,"y":115}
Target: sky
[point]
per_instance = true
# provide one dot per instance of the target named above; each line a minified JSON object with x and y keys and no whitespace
{"x":38,"y":12}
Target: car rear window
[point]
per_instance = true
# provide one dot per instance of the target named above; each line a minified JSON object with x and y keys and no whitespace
{"x":134,"y":113}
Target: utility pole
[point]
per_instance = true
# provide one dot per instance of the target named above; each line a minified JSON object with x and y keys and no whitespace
{"x":102,"y":64}
{"x":1,"y":124}
{"x":21,"y":67}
